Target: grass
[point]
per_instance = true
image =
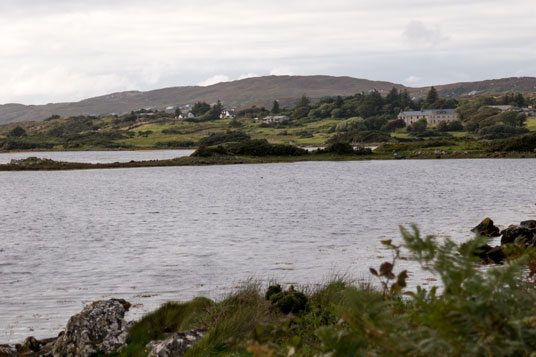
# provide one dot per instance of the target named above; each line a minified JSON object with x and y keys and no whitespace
{"x":531,"y":123}
{"x":480,"y":312}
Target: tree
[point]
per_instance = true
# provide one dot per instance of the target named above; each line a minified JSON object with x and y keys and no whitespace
{"x":178,"y":111}
{"x":419,"y":126}
{"x":512,"y":118}
{"x":200,"y":108}
{"x":275,"y":107}
{"x":214,"y":112}
{"x":304,"y":102}
{"x":405,"y":100}
{"x":432,"y":96}
{"x":520,"y":100}
{"x":395,"y":124}
{"x":17,"y":132}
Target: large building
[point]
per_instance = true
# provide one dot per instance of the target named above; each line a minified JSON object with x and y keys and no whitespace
{"x":432,"y":116}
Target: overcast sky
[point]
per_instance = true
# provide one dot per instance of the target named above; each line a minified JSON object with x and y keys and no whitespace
{"x":67,"y":50}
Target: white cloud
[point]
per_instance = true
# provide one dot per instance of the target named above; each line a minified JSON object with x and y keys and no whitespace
{"x":213,"y":80}
{"x":413,"y":79}
{"x":248,"y":75}
{"x":419,"y":34}
{"x":281,"y":71}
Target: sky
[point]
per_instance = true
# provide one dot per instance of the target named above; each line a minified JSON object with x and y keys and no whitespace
{"x":68,"y":50}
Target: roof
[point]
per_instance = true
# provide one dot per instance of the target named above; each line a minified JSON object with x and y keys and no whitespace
{"x":430,"y":112}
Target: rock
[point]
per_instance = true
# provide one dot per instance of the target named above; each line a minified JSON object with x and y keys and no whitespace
{"x":482,"y":251}
{"x":31,"y":347}
{"x":99,"y":328}
{"x":175,"y":345}
{"x":496,"y":255}
{"x":487,"y":228}
{"x":512,"y":232}
{"x":32,"y":344}
{"x":8,"y":350}
{"x":530,"y":224}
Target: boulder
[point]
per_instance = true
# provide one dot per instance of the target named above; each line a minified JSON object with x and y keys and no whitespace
{"x":175,"y":345}
{"x":530,"y":224}
{"x":99,"y":328}
{"x":487,"y":228}
{"x":512,"y":232}
{"x":482,"y":251}
{"x":30,"y":347}
{"x":496,"y":255}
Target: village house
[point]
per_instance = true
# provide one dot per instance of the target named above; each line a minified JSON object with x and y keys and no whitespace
{"x":227,"y":114}
{"x":432,"y":116}
{"x":276,"y":119}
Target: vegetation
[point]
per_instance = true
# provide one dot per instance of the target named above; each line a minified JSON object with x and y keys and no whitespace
{"x":472,"y":312}
{"x":358,"y":119}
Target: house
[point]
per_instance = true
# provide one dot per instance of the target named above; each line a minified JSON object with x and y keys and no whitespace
{"x":276,"y":119}
{"x":504,"y":108}
{"x":227,"y":114}
{"x":186,"y":115}
{"x":432,"y":116}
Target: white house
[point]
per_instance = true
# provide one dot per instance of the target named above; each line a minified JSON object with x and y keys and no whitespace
{"x":432,"y":116}
{"x":276,"y":119}
{"x":227,"y":114}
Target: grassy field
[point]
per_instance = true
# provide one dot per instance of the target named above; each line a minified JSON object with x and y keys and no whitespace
{"x":531,"y":123}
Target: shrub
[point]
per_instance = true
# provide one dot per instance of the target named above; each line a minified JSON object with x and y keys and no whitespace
{"x":522,"y":143}
{"x":220,"y":138}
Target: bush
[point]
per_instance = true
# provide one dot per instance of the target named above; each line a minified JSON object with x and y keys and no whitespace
{"x":288,"y":301}
{"x":523,"y":143}
{"x":257,"y":147}
{"x":220,"y":138}
{"x":171,"y":131}
{"x":176,"y":144}
{"x":16,"y":132}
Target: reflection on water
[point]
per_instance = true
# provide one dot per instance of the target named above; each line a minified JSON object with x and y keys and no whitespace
{"x":155,"y":234}
{"x":97,"y":157}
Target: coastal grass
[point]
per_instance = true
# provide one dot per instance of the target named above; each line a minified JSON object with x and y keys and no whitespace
{"x":477,"y":312}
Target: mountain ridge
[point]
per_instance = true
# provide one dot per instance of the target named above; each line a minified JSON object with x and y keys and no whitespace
{"x":259,"y":91}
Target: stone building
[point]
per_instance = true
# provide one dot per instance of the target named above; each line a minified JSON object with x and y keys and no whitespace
{"x":432,"y":116}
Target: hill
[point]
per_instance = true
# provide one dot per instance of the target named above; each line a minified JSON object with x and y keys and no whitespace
{"x":259,"y":91}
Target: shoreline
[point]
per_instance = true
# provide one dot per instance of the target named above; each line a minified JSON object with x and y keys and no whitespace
{"x":37,"y":164}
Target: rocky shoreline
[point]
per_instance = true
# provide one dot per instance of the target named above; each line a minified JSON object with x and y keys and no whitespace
{"x":100,"y":328}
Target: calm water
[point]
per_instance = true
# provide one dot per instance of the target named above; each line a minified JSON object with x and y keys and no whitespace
{"x":97,"y":156}
{"x":155,"y":234}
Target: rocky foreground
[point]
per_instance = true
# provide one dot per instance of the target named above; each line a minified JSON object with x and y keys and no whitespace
{"x":100,"y":328}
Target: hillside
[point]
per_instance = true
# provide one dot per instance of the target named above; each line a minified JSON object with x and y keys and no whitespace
{"x":260,"y":91}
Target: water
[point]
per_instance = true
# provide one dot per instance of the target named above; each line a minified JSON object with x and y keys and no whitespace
{"x":155,"y":234}
{"x":97,"y":157}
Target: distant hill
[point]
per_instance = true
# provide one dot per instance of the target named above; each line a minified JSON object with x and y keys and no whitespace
{"x":260,"y":91}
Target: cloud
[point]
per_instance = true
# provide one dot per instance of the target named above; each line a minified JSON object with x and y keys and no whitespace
{"x":413,"y":79}
{"x":417,"y":34}
{"x":60,"y":50}
{"x":248,"y":75}
{"x":281,"y":71}
{"x":218,"y":78}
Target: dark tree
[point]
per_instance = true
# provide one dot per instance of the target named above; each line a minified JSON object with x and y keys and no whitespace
{"x":178,"y":111}
{"x":200,"y":108}
{"x":304,"y":102}
{"x":275,"y":107}
{"x":432,"y":96}
{"x":17,"y":132}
